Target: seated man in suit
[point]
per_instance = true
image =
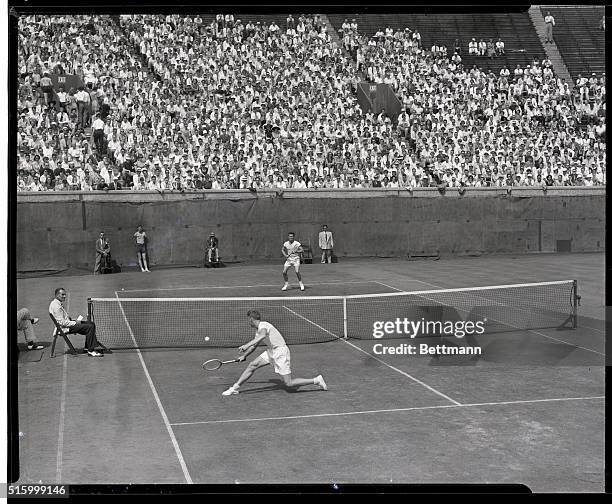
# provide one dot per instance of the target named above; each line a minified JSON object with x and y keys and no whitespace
{"x":212,"y":251}
{"x":79,"y":326}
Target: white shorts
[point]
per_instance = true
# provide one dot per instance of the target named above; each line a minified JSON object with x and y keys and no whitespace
{"x":280,"y":357}
{"x":295,"y":262}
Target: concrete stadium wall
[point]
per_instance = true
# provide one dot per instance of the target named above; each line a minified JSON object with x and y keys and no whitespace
{"x":58,"y":230}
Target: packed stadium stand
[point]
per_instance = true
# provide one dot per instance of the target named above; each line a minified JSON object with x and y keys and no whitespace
{"x":580,"y":38}
{"x":155,"y":102}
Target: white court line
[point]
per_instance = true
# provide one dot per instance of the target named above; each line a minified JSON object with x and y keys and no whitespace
{"x":60,"y":439}
{"x":177,"y":448}
{"x":240,"y":286}
{"x":377,"y":359}
{"x":425,"y":283}
{"x":390,"y":286}
{"x":567,"y":342}
{"x":62,"y":418}
{"x":602,"y":331}
{"x":410,"y":280}
{"x":393,"y":410}
{"x":529,"y":330}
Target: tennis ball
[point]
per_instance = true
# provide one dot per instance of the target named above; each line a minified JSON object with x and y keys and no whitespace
{"x":206,"y":339}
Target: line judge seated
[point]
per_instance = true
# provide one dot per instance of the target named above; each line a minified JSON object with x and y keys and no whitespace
{"x":212,"y":252}
{"x":25,"y":326}
{"x":79,"y":326}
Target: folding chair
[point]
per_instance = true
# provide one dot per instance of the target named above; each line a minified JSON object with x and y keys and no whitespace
{"x":212,"y":258}
{"x":306,"y":256}
{"x":59,"y":331}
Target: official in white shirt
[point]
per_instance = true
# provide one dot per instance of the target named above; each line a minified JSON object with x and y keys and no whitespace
{"x":98,"y":132}
{"x":56,"y":308}
{"x":550,"y":22}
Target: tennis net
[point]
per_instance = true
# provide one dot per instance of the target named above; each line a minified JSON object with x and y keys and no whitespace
{"x":187,"y":322}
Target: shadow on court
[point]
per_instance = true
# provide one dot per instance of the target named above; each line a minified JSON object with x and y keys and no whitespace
{"x":253,"y":388}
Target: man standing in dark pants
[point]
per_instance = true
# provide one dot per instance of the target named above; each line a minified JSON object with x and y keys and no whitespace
{"x":46,"y":86}
{"x":56,"y":308}
{"x":102,"y":254}
{"x":98,"y":134}
{"x":83,"y":101}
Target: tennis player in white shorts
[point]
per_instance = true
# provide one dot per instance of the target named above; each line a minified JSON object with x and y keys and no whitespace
{"x":292,"y":250}
{"x":277,"y":354}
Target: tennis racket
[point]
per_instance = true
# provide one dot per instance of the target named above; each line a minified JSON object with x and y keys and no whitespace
{"x":214,"y":364}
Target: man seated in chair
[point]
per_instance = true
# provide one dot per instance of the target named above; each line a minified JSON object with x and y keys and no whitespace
{"x":212,"y":252}
{"x":25,"y":323}
{"x":102,"y":254}
{"x":56,"y":308}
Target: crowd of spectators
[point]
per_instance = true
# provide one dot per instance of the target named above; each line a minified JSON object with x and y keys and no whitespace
{"x":489,"y":49}
{"x":56,"y":148}
{"x":183,"y":103}
{"x":475,"y":128}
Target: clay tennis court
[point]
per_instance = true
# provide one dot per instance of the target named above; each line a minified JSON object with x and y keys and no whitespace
{"x":530,"y":410}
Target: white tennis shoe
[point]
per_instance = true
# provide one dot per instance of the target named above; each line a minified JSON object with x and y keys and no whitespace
{"x":285,"y":287}
{"x":230,"y":391}
{"x":321,"y":382}
{"x":301,"y":286}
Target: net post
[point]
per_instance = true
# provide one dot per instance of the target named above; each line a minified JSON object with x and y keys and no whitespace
{"x":344,"y":317}
{"x":575,"y":308}
{"x":89,"y":310}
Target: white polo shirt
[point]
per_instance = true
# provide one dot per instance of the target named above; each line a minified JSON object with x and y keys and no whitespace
{"x":274,"y":339}
{"x":292,"y":250}
{"x":98,"y":125}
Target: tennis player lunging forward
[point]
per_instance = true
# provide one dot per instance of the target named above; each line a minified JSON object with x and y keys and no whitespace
{"x":277,"y":354}
{"x":292,"y":250}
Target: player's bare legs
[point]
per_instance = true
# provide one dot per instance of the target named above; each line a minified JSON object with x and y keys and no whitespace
{"x":287,"y":380}
{"x":144,"y":262}
{"x":246,"y":374}
{"x":250,"y":369}
{"x":299,"y":277}
{"x":298,"y":382}
{"x":286,"y":277}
